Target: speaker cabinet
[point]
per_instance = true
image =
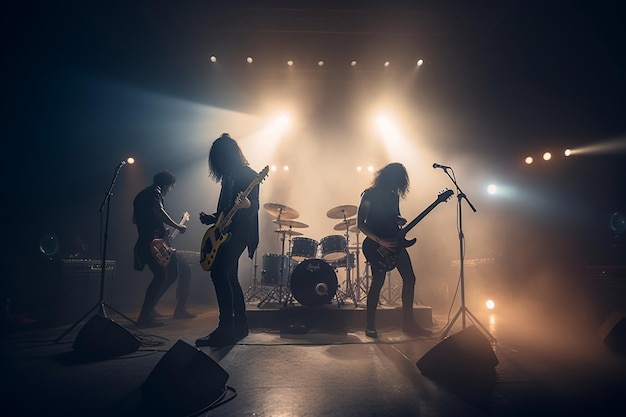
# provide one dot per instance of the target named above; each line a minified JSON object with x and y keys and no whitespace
{"x":466,"y":354}
{"x":613,"y":332}
{"x":103,"y":338}
{"x":184,"y":382}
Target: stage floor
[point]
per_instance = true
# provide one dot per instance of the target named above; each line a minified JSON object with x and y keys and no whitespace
{"x":546,"y":366}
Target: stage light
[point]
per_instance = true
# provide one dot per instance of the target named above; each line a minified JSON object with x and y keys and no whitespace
{"x":273,"y":168}
{"x":320,"y":63}
{"x":528,"y":160}
{"x":130,"y":160}
{"x":370,"y":168}
{"x":290,"y":63}
{"x":353,"y":63}
{"x":547,"y":156}
{"x":490,"y":304}
{"x":286,"y":168}
{"x":420,"y":62}
{"x":386,"y":64}
{"x":492,"y":189}
{"x":213,"y":58}
{"x":568,"y":152}
{"x":359,"y":168}
{"x":249,"y":60}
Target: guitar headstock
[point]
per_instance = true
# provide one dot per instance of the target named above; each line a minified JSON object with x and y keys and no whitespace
{"x":445,"y":195}
{"x":185,"y":217}
{"x":263,"y":173}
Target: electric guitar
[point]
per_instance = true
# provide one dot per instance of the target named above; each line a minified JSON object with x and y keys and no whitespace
{"x":161,"y":249}
{"x":386,"y":259}
{"x":218,"y":234}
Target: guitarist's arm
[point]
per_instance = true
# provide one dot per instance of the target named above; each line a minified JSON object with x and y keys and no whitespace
{"x":389,"y":243}
{"x":165,"y":218}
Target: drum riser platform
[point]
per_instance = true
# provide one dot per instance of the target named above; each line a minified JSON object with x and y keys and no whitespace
{"x":332,"y":317}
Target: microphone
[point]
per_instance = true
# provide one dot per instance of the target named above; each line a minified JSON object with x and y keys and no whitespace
{"x":444,"y":167}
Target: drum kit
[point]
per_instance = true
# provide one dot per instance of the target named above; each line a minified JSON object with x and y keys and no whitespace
{"x":306,"y":269}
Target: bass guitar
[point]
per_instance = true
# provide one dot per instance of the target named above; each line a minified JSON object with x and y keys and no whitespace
{"x":218,"y":234}
{"x":386,"y":259}
{"x":161,"y":249}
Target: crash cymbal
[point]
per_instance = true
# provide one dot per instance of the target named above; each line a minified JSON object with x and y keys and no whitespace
{"x":340,"y":212}
{"x":281,"y":210}
{"x":345,"y":224}
{"x":288,"y":232}
{"x":290,"y":223}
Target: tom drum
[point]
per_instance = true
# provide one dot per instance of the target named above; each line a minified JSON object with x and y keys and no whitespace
{"x":303,"y":248}
{"x":333,"y":247}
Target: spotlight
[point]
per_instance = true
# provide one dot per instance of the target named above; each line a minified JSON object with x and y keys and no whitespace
{"x":213,"y":58}
{"x":386,"y":64}
{"x":353,"y":63}
{"x":568,"y":152}
{"x":320,"y":63}
{"x":490,"y":304}
{"x":290,"y":63}
{"x":492,"y":189}
{"x":359,"y":168}
{"x":130,"y":160}
{"x":547,"y":156}
{"x":249,"y":60}
{"x":286,"y":168}
{"x":528,"y":160}
{"x":420,"y":62}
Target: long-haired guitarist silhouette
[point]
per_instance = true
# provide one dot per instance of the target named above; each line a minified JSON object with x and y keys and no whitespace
{"x":385,"y":244}
{"x":235,"y":228}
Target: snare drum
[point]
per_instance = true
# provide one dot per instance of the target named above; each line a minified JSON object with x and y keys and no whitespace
{"x":303,"y":248}
{"x":272,"y":264}
{"x":345,"y":262}
{"x":333,"y":247}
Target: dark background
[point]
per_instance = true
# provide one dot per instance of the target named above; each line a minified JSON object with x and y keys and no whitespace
{"x":514,"y":76}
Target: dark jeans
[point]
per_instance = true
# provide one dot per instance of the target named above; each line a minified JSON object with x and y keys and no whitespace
{"x":161,"y":282}
{"x":405,"y":268}
{"x":224,"y":274}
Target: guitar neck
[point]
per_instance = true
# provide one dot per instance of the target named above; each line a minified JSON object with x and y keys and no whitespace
{"x":419,"y":218}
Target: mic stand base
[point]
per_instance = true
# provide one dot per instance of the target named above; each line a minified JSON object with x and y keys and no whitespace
{"x":101,"y":308}
{"x":464,"y":310}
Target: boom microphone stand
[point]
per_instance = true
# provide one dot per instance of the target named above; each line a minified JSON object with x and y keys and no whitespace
{"x":463,"y":310}
{"x":101,"y":305}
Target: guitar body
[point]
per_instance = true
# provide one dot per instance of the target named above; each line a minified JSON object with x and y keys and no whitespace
{"x":382,"y":258}
{"x":211,"y":242}
{"x":161,"y":252}
{"x":386,"y":259}
{"x":161,"y":249}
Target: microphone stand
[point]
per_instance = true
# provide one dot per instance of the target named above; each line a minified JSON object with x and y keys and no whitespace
{"x":101,"y":305}
{"x":463,"y":310}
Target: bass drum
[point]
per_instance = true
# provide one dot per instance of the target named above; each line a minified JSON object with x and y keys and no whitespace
{"x":313,"y":283}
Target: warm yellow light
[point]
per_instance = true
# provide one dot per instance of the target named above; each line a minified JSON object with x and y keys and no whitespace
{"x":273,"y":167}
{"x":353,"y":64}
{"x":286,"y":168}
{"x":528,"y":160}
{"x":320,"y":63}
{"x":213,"y":58}
{"x":290,"y":63}
{"x":359,"y":168}
{"x":420,"y":62}
{"x":370,"y":168}
{"x":547,"y":156}
{"x":490,"y":304}
{"x":130,"y":160}
{"x":249,"y":60}
{"x":387,"y":63}
{"x":568,"y":152}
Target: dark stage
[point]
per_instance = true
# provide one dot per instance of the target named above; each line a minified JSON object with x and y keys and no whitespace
{"x":302,"y":361}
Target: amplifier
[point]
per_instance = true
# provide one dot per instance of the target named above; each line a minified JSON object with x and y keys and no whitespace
{"x":81,"y":266}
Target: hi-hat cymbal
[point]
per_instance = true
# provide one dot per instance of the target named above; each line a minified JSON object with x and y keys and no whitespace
{"x":290,"y":223}
{"x":288,"y":232}
{"x":281,"y":210}
{"x":345,"y":224}
{"x":340,"y":212}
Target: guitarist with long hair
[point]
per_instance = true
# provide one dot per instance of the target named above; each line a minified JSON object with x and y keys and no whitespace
{"x":228,"y":166}
{"x":379,"y":219}
{"x":150,"y":217}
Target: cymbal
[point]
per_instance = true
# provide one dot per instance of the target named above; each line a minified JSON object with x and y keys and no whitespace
{"x":340,"y":212}
{"x":355,"y":229}
{"x":345,"y":224}
{"x":290,"y":223}
{"x":288,"y":232}
{"x":281,"y":210}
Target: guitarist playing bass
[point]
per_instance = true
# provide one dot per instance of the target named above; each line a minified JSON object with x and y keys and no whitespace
{"x":228,"y":166}
{"x":379,"y":219}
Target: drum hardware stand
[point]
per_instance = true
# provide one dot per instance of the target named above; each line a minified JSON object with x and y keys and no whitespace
{"x":463,"y":310}
{"x":254,"y":290}
{"x":392,"y":292}
{"x":101,"y":305}
{"x":277,"y":293}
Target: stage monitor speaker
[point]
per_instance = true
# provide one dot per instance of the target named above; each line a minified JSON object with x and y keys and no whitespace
{"x":466,"y":354}
{"x":613,"y":332}
{"x":102,"y":338}
{"x":184,"y":382}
